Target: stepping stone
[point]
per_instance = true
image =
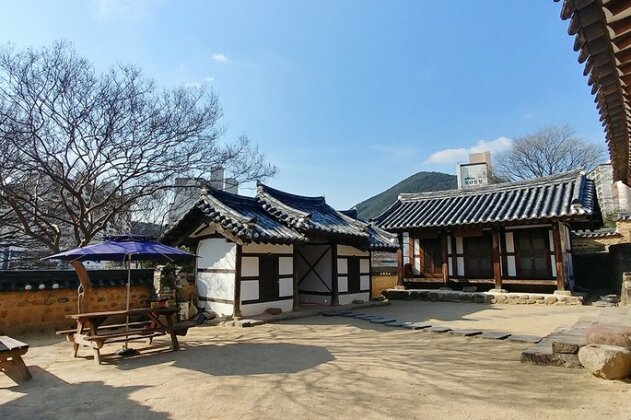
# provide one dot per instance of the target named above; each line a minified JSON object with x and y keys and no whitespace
{"x":382,"y":320}
{"x":439,"y":329}
{"x":353,"y":314}
{"x":417,"y":325}
{"x":525,"y":339}
{"x":465,"y":333}
{"x":367,"y":317}
{"x":494,"y":335}
{"x":336,"y":313}
{"x":396,"y":323}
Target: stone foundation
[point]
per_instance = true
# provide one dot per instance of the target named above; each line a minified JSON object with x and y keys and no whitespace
{"x":483,"y":297}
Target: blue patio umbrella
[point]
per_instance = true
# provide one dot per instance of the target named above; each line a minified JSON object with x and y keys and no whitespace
{"x":124,"y":248}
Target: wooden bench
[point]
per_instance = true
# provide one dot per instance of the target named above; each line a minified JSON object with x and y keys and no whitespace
{"x":11,"y":363}
{"x":132,"y":326}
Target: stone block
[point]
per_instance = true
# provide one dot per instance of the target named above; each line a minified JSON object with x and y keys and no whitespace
{"x":550,"y":300}
{"x":465,"y":333}
{"x":469,"y":289}
{"x":607,"y":362}
{"x":499,"y":298}
{"x":417,"y":325}
{"x":381,"y":320}
{"x":438,"y":329}
{"x":494,"y":335}
{"x":613,"y":335}
{"x":396,"y":324}
{"x":525,"y":339}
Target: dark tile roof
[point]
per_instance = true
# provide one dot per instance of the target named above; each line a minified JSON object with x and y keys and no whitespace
{"x":275,"y":216}
{"x":595,"y":234}
{"x":313,"y":216}
{"x":238,"y":216}
{"x":566,"y":196}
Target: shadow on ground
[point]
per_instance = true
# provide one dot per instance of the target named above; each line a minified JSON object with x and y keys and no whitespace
{"x":47,"y":396}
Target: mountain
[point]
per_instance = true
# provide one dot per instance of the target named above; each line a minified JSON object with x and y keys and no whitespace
{"x":419,"y":182}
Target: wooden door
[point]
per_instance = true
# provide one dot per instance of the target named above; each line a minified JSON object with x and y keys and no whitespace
{"x":532,"y":248}
{"x":477,"y":257}
{"x":268,"y":278}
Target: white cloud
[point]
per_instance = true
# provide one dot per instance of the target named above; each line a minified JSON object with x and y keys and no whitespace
{"x":219,"y":57}
{"x":195,"y":85}
{"x":122,"y":9}
{"x":450,"y":156}
{"x":209,"y":79}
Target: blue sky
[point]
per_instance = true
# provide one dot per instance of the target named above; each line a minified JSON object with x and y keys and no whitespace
{"x":345,"y":97}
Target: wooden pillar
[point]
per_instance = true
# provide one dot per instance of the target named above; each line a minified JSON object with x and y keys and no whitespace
{"x":400,"y":266}
{"x":335,"y":296}
{"x":445,"y":267}
{"x":237,"y":284}
{"x":558,"y":254}
{"x":454,"y":255}
{"x":495,"y":256}
{"x":85,"y":289}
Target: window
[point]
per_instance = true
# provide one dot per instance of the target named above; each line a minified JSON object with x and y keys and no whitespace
{"x":533,"y":254}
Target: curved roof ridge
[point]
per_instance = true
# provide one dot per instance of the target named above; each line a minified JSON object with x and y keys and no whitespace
{"x":565,"y":176}
{"x":280,"y":195}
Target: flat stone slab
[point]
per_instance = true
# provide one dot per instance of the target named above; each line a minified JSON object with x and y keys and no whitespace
{"x":396,"y":323}
{"x":353,"y":314}
{"x":417,"y":325}
{"x":367,"y":317}
{"x":336,"y":313}
{"x":465,"y":333}
{"x":439,"y":329}
{"x":525,"y":338}
{"x":494,"y":335}
{"x":381,"y":321}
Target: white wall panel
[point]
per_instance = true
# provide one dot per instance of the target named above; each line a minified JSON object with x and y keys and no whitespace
{"x":249,"y":290}
{"x":221,"y":309}
{"x":448,"y":244}
{"x":250,"y":266}
{"x":342,"y":266}
{"x":348,"y":299}
{"x":216,"y":253}
{"x":460,"y":263}
{"x":451,"y":267}
{"x":459,"y":247}
{"x":551,"y":240}
{"x":364,"y":282}
{"x":405,"y":246}
{"x":510,"y":244}
{"x":364,"y":266}
{"x":216,"y":285}
{"x":285,"y":265}
{"x":342,"y":284}
{"x":285,"y":287}
{"x":553,"y":264}
{"x":417,"y":265}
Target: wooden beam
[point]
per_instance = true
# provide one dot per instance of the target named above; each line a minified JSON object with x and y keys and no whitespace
{"x":237,"y":284}
{"x":335,"y":296}
{"x":558,"y":256}
{"x":617,"y":6}
{"x":85,"y":288}
{"x":400,"y":267}
{"x":621,"y":26}
{"x":495,"y":256}
{"x":445,"y":266}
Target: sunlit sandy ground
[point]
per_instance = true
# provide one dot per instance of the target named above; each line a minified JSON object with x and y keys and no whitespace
{"x":323,"y":367}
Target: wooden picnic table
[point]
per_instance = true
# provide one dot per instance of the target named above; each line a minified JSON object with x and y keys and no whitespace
{"x":92,"y":333}
{"x":11,"y":363}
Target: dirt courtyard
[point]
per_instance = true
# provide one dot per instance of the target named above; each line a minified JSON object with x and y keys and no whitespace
{"x":323,"y":367}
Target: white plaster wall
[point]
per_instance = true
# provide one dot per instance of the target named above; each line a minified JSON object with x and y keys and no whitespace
{"x":342,"y":266}
{"x":342,"y":284}
{"x":249,"y":290}
{"x":459,"y":245}
{"x":221,"y":309}
{"x":287,"y":305}
{"x":249,"y":266}
{"x":460,"y":263}
{"x":512,"y":268}
{"x":267,"y":249}
{"x":216,"y":285}
{"x":286,"y":287}
{"x":364,"y":282}
{"x":348,"y":299}
{"x":349,"y":251}
{"x":510,"y":244}
{"x":285,"y":266}
{"x":364,"y":266}
{"x":216,"y":253}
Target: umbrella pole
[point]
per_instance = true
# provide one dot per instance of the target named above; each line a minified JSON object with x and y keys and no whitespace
{"x":127,"y":300}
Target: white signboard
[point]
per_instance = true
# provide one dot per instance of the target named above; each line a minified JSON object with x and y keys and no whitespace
{"x":471,"y":175}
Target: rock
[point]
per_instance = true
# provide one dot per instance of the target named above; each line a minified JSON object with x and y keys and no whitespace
{"x":469,"y":289}
{"x":607,"y":362}
{"x":274,"y":311}
{"x":550,"y":300}
{"x":613,"y":335}
{"x":563,"y":293}
{"x":499,"y":298}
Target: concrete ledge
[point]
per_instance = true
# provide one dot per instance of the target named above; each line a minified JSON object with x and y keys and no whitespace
{"x":491,"y":297}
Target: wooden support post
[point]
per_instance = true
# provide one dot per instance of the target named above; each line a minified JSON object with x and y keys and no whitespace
{"x":237,"y":285}
{"x":495,"y":256}
{"x":445,"y":267}
{"x":558,"y":254}
{"x":335,"y":296}
{"x":400,"y":267}
{"x":85,"y":289}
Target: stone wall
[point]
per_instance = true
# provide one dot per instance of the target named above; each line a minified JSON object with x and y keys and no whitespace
{"x":45,"y":310}
{"x":381,"y":282}
{"x":594,"y":244}
{"x":483,"y":297}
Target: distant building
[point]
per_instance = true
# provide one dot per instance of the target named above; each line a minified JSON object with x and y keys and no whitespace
{"x":476,"y":173}
{"x":613,"y":197}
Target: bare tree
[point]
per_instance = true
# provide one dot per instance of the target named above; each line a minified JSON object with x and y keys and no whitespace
{"x":550,"y":150}
{"x":82,"y":151}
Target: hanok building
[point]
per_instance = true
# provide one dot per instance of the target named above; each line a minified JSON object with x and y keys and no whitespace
{"x":277,"y":250}
{"x":499,"y":236}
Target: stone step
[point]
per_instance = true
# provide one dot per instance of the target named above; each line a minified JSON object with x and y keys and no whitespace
{"x":567,"y":344}
{"x":465,"y":333}
{"x":438,"y":329}
{"x":396,"y":323}
{"x":381,"y":320}
{"x":494,"y":335}
{"x":417,"y":325}
{"x":525,"y":338}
